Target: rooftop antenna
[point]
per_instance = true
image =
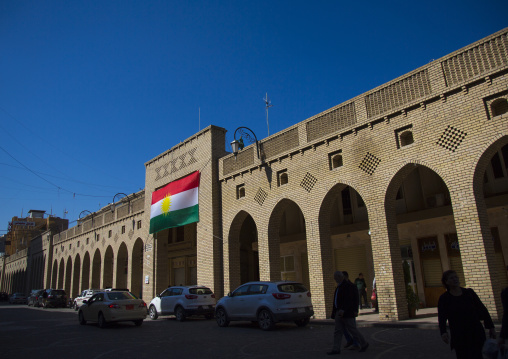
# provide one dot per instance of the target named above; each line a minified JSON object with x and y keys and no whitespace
{"x":268,"y":104}
{"x":65,"y":212}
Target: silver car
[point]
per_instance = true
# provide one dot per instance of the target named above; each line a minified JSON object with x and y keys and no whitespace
{"x":267,"y":303}
{"x":108,"y":307}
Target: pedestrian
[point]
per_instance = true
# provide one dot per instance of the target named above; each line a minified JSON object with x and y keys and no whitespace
{"x":344,"y":311}
{"x":44,"y":298}
{"x":362,"y":289}
{"x":463,"y":310}
{"x":351,"y":343}
{"x":375,"y":297}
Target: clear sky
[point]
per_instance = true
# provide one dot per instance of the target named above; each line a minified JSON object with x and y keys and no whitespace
{"x":91,"y":90}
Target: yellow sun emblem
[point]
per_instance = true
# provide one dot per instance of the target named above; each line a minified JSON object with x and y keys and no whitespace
{"x":166,"y":204}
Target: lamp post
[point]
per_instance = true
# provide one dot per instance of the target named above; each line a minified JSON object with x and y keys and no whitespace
{"x":238,"y":145}
{"x":89,"y":213}
{"x":112,"y":206}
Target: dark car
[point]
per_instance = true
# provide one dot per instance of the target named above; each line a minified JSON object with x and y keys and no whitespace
{"x":53,"y":298}
{"x":4,"y":296}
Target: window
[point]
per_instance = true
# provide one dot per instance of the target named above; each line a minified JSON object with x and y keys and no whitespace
{"x":282,"y":177}
{"x":244,"y":290}
{"x":78,"y":244}
{"x":123,"y":229}
{"x":404,"y":136}
{"x":499,"y":107}
{"x":287,"y":268}
{"x":139,"y":224}
{"x":70,"y":245}
{"x":335,"y":160}
{"x":240,"y":191}
{"x":110,"y":233}
{"x":180,"y":234}
{"x":97,"y":237}
{"x":87,"y":241}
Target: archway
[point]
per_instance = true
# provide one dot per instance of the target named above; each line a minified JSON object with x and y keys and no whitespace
{"x":68,"y":277}
{"x":122,"y":266}
{"x":85,"y":276}
{"x":96,"y":269}
{"x":107,"y":278}
{"x":54,"y":275}
{"x":137,"y":268}
{"x":76,"y":289}
{"x":61,"y":272}
{"x":288,"y":243}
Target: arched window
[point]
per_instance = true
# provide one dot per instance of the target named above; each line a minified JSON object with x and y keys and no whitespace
{"x":337,"y":161}
{"x":406,"y":138}
{"x":283,"y":178}
{"x":499,"y":107}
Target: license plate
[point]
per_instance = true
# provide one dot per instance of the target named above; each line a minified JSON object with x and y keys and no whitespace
{"x":301,"y":310}
{"x":129,"y":307}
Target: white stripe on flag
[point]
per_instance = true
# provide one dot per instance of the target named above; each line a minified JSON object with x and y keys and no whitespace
{"x":178,"y":201}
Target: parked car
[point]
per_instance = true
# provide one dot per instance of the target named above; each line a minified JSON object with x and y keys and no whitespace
{"x":17,"y":298}
{"x":53,"y":298}
{"x":33,"y":298}
{"x":86,"y":294}
{"x":183,"y":301}
{"x":267,"y":303}
{"x":107,"y":307}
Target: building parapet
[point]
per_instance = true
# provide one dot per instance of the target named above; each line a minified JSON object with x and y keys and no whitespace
{"x":473,"y":64}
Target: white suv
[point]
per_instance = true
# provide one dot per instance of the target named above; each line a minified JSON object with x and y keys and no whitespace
{"x":183,"y":301}
{"x":86,"y":294}
{"x":267,"y":303}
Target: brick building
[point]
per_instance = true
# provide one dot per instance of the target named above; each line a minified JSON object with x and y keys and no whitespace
{"x":414,"y":170}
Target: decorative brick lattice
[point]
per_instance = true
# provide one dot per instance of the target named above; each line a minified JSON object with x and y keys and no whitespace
{"x":308,"y":182}
{"x":478,"y":60}
{"x":451,"y":138}
{"x":331,"y":122}
{"x":176,"y":164}
{"x":369,"y":163}
{"x":398,"y":94}
{"x":243,"y":159}
{"x":280,"y":143}
{"x":260,"y":196}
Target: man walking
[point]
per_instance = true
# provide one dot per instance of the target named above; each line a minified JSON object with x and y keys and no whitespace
{"x":345,"y":310}
{"x":362,"y":289}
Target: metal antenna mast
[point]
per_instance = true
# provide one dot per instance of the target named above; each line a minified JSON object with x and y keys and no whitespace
{"x":268,"y":104}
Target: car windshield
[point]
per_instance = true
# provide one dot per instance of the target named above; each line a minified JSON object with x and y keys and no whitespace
{"x":200,"y":291}
{"x":291,"y":288}
{"x":120,"y":296}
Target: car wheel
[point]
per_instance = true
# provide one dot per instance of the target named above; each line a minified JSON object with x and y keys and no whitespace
{"x":138,"y":323}
{"x":302,"y":322}
{"x":265,"y":320}
{"x":101,"y":321}
{"x":180,"y":314}
{"x":153,"y":312}
{"x":221,"y":317}
{"x":81,"y":317}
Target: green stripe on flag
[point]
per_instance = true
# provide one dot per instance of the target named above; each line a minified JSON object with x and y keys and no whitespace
{"x":175,"y":219}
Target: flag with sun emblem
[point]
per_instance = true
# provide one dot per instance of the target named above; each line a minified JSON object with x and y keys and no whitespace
{"x":176,"y":204}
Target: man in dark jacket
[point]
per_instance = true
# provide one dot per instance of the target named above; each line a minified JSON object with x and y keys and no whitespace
{"x":345,"y":310}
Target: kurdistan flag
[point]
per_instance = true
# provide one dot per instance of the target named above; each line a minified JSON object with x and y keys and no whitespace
{"x":176,"y":204}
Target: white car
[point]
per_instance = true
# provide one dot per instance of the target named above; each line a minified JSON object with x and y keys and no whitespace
{"x":86,"y":294}
{"x":267,"y":303}
{"x":183,"y":301}
{"x":107,"y":307}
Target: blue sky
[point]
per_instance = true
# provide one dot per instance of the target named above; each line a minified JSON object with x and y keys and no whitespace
{"x":91,"y":90}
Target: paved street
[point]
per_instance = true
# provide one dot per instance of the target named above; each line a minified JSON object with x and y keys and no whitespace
{"x":27,"y":332}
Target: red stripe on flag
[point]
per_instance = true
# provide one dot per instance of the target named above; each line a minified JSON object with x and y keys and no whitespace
{"x":183,"y":184}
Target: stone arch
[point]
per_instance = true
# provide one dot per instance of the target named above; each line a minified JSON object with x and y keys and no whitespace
{"x":68,"y":276}
{"x":107,"y":279}
{"x":122,"y":265}
{"x":287,"y":236}
{"x":85,"y":276}
{"x":76,"y":289}
{"x":137,"y":268}
{"x":243,"y":263}
{"x":61,"y":273}
{"x":54,"y":275}
{"x":96,"y":269}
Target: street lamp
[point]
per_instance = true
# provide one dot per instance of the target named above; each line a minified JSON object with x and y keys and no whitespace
{"x":238,"y":145}
{"x":80,"y":215}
